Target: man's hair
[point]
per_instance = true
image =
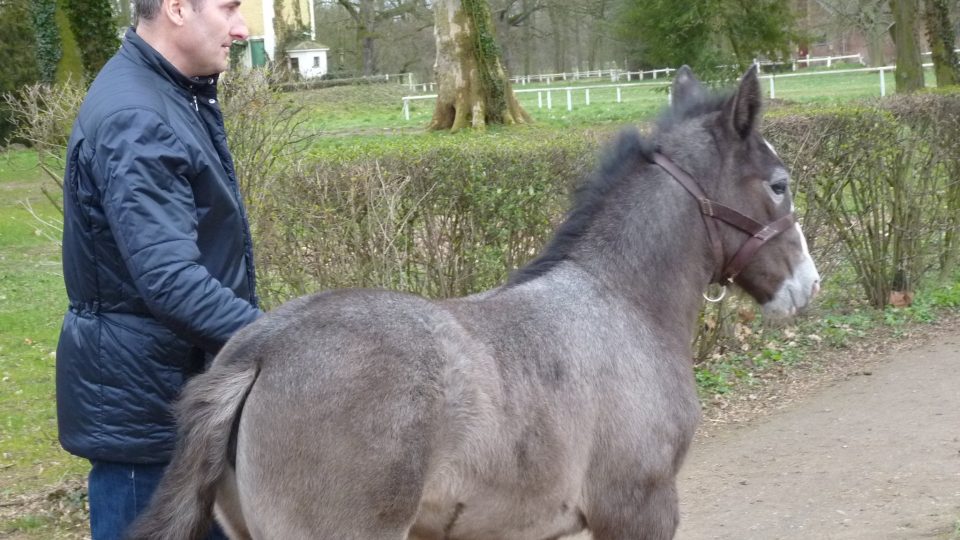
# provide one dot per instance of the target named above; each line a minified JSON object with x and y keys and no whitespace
{"x":145,"y":10}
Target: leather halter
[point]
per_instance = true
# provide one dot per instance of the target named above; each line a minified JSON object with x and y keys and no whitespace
{"x":712,"y":210}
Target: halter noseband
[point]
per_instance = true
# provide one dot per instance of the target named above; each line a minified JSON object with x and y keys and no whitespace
{"x":759,"y":234}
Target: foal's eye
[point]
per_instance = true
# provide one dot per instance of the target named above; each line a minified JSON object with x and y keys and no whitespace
{"x":779,"y":188}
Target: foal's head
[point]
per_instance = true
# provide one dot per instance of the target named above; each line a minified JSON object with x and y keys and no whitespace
{"x":715,"y":139}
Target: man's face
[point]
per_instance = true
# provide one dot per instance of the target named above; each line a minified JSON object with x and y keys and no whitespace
{"x":209,"y":33}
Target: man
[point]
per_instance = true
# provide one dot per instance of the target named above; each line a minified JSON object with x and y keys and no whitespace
{"x":156,"y":249}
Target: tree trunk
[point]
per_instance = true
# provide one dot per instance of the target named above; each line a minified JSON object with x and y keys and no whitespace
{"x":527,"y":41}
{"x":364,"y":16}
{"x":909,"y":73}
{"x":366,"y":38}
{"x":473,"y":88}
{"x":941,"y":37}
{"x":875,"y":56}
{"x":126,"y":18}
{"x":558,"y":24}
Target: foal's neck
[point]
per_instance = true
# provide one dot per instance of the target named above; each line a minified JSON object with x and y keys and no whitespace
{"x":651,"y":246}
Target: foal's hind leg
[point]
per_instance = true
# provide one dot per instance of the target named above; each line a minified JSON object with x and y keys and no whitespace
{"x":632,"y":512}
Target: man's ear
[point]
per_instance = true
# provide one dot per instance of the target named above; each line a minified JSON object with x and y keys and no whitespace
{"x":173,"y":10}
{"x":742,"y":111}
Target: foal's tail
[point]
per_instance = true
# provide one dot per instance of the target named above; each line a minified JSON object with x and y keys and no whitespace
{"x":182,"y":507}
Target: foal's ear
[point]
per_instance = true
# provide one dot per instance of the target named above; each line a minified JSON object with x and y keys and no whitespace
{"x":743,"y":109}
{"x":686,"y":88}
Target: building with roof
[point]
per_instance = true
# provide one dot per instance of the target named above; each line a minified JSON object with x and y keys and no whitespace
{"x":262,"y":43}
{"x":308,"y":58}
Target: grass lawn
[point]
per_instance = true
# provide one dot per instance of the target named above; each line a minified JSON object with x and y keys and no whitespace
{"x":379,"y":108}
{"x":32,"y":300}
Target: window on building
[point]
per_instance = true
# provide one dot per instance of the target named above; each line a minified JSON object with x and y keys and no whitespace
{"x":316,"y":61}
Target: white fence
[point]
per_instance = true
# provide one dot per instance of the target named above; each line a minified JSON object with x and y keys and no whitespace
{"x":545,"y":95}
{"x":571,"y":76}
{"x":881,"y":70}
{"x":827,"y":60}
{"x":613,"y":74}
{"x":616,"y":74}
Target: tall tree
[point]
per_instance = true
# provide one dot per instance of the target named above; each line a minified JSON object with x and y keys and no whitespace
{"x":508,"y":15}
{"x":403,"y":44}
{"x":70,"y":66}
{"x":909,"y":72}
{"x":289,"y":29}
{"x":473,"y":87}
{"x":871,"y":17}
{"x":368,"y":16}
{"x":93,"y":25}
{"x":941,"y":37}
{"x":19,"y":67}
{"x":43,"y":16}
{"x":124,"y":13}
{"x":705,"y":33}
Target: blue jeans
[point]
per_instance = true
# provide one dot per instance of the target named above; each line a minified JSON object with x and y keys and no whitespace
{"x":118,"y":492}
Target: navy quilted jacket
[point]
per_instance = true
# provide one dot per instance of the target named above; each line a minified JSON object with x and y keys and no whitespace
{"x":156,"y":255}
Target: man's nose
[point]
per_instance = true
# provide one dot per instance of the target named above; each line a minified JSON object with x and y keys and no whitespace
{"x":239,"y":31}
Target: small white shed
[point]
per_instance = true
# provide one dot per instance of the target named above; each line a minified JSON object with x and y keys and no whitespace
{"x":309,"y":58}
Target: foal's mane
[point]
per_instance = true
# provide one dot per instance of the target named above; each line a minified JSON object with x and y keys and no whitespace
{"x":626,"y":155}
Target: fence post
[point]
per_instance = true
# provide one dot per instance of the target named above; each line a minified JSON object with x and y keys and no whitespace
{"x":587,"y":95}
{"x":569,"y":99}
{"x":773,"y":92}
{"x":883,"y":84}
{"x":829,"y":61}
{"x":549,"y":99}
{"x":539,"y":100}
{"x":406,"y":109}
{"x":619,"y":95}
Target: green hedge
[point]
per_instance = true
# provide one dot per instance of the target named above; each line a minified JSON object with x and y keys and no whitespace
{"x":437,"y":215}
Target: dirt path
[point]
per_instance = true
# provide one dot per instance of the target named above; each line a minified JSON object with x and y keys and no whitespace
{"x":875,"y":455}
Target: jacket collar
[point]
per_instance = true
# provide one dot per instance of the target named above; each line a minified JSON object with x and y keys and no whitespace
{"x":141,"y":52}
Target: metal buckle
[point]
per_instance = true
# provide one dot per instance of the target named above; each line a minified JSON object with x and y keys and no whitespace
{"x":716,"y":299}
{"x":706,"y":206}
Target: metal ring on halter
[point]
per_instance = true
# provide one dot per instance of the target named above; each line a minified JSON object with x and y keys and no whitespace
{"x":723,"y":294}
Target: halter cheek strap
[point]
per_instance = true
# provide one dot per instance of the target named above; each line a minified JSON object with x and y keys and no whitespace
{"x":712,"y":210}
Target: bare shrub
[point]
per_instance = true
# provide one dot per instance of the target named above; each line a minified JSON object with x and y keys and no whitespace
{"x":265,"y":129}
{"x":873,"y":177}
{"x":435,"y":216}
{"x":44,"y":116}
